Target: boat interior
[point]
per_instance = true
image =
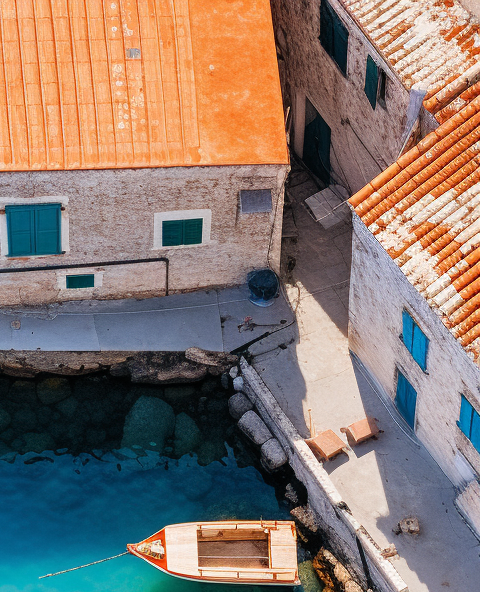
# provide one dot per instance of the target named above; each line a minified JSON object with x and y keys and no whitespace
{"x":233,"y":548}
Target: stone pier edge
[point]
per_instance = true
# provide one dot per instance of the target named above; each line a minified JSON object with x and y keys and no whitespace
{"x":348,"y":538}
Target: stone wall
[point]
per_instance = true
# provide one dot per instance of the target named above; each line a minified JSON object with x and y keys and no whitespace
{"x":364,"y":141}
{"x":108,"y":215}
{"x":379,"y":292}
{"x":350,"y":541}
{"x":472,"y":6}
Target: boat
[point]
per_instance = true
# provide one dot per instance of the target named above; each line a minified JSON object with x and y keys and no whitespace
{"x":235,"y":552}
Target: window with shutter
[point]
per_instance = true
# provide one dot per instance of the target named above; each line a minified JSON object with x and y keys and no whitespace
{"x":182,"y":232}
{"x":34,"y":229}
{"x":371,"y":82}
{"x":333,"y":35}
{"x":415,"y":340}
{"x":469,"y":423}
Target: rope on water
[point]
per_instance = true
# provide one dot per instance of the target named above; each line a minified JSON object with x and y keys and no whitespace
{"x":82,"y":566}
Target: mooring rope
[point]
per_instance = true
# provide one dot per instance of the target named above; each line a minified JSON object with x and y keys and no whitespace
{"x":82,"y":566}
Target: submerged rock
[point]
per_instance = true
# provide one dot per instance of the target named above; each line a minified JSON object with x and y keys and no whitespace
{"x":187,"y":435}
{"x":4,"y":449}
{"x":5,"y":420}
{"x":211,"y":450}
{"x":150,"y":420}
{"x":24,"y":420}
{"x":23,"y":391}
{"x":179,"y":393}
{"x":33,"y":442}
{"x":272,"y":455}
{"x":310,"y":580}
{"x":238,"y":405}
{"x":53,"y":390}
{"x":254,"y":428}
{"x":68,"y":406}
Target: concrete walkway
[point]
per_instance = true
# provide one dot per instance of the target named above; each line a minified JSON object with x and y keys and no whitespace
{"x":209,"y":320}
{"x":383,"y":480}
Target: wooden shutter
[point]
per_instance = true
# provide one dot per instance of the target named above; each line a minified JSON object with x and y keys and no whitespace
{"x":192,"y":233}
{"x":172,"y":233}
{"x":340,"y":44}
{"x":20,"y":230}
{"x":407,"y":334}
{"x":420,"y":347}
{"x":371,"y":81}
{"x":465,"y":421}
{"x":475,"y":432}
{"x":47,"y":229}
{"x":406,"y":400}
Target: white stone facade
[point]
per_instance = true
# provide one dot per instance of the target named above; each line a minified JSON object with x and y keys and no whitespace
{"x":379,"y":293}
{"x":363,"y":140}
{"x":116,"y":215}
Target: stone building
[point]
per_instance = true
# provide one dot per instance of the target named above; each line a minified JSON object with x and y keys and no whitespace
{"x":142,"y":147}
{"x":361,"y":78}
{"x":415,"y":294}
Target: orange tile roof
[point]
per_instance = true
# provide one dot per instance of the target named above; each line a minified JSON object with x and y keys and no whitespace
{"x":425,"y":211}
{"x":138,"y":83}
{"x":434,"y":44}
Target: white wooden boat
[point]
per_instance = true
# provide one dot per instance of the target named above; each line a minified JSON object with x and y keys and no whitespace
{"x":241,"y":552}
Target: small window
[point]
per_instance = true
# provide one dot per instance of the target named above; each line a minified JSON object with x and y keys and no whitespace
{"x":469,"y":423}
{"x":33,"y":230}
{"x":415,"y":340}
{"x":81,"y":281}
{"x":333,"y":35}
{"x":182,"y":232}
{"x":255,"y":200}
{"x":371,"y":81}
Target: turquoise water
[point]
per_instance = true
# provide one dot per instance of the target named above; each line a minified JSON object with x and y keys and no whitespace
{"x":75,"y":510}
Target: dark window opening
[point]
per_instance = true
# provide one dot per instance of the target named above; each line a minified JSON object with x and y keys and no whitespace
{"x":316,"y":143}
{"x":382,"y":88}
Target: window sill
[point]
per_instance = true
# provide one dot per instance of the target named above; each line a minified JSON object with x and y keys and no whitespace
{"x":29,"y":257}
{"x":181,"y":247}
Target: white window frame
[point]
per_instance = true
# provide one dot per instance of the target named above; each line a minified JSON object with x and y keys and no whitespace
{"x":29,"y":201}
{"x":160,"y":217}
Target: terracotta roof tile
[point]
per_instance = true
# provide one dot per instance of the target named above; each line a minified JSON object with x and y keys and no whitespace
{"x":138,"y":83}
{"x":431,"y":43}
{"x":425,"y":211}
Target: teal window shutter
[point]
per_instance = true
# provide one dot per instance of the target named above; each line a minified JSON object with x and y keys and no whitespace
{"x":406,"y":400}
{"x":172,"y":233}
{"x":47,"y":229}
{"x":340,"y":44}
{"x":466,"y":414}
{"x":81,"y":281}
{"x":420,"y":347}
{"x":192,"y":234}
{"x":333,"y":35}
{"x":475,"y":433}
{"x":371,"y":81}
{"x":20,"y":230}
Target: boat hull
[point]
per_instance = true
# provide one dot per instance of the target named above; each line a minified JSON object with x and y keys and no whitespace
{"x":234,"y":552}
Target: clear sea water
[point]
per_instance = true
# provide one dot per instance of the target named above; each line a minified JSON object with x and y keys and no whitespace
{"x":75,"y":510}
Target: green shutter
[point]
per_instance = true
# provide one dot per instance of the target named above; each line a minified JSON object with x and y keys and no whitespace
{"x":21,"y":230}
{"x":192,"y":234}
{"x":475,"y":435}
{"x":420,"y":347}
{"x":333,"y":35}
{"x":172,"y":233}
{"x":47,"y":229}
{"x":466,"y":415}
{"x":371,"y":81}
{"x":81,"y":281}
{"x":340,"y":44}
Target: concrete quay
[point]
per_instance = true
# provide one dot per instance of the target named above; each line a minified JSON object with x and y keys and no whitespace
{"x":382,"y":480}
